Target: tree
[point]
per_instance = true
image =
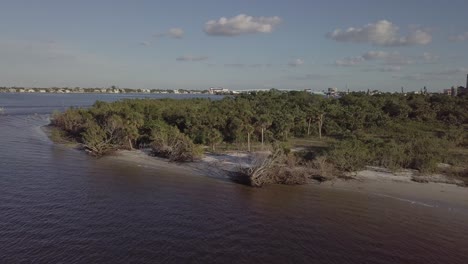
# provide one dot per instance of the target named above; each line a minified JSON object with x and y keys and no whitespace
{"x":132,"y":123}
{"x":249,"y":129}
{"x":214,"y":137}
{"x":309,"y":122}
{"x":284,"y":122}
{"x":320,"y":118}
{"x":263,"y":122}
{"x":95,"y":139}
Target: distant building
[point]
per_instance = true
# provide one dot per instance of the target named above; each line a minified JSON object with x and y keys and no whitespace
{"x":332,"y":91}
{"x":454,"y":91}
{"x":462,"y":91}
{"x":218,"y":90}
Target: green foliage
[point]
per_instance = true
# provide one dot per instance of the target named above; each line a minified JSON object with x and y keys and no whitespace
{"x":389,"y":130}
{"x":349,"y":155}
{"x":425,"y":153}
{"x":417,"y":152}
{"x":95,"y":139}
{"x":169,"y":143}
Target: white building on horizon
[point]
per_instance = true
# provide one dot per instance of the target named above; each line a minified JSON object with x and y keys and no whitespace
{"x":218,"y":90}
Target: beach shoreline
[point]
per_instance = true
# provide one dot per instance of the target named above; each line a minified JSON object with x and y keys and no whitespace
{"x":373,"y":181}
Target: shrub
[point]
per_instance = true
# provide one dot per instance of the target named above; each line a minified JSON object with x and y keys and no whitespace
{"x":349,"y":155}
{"x":169,"y":142}
{"x":95,"y":140}
{"x":425,"y":153}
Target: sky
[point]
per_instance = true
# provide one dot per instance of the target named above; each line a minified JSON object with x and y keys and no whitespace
{"x":242,"y":44}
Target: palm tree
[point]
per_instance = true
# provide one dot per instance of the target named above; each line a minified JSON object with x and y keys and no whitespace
{"x":249,"y":129}
{"x":263,"y":122}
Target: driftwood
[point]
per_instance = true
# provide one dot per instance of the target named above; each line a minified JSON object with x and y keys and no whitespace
{"x":279,"y":168}
{"x":259,"y":171}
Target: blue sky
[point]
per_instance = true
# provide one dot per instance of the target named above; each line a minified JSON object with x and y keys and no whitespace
{"x":244,"y":44}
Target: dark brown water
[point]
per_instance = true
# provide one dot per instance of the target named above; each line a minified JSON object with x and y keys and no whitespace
{"x":60,"y":206}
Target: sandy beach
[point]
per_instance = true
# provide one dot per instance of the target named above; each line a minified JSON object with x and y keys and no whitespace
{"x":373,"y":181}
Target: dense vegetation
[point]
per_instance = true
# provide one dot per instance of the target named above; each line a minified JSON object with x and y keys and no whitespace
{"x":388,"y":130}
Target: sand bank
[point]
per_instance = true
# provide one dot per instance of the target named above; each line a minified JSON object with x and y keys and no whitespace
{"x":373,"y":181}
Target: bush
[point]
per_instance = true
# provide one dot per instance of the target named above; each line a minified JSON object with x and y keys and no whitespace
{"x":95,"y":140}
{"x":349,"y":155}
{"x":169,"y":143}
{"x":425,"y":153}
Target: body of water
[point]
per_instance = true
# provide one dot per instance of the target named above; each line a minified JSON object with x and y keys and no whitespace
{"x":58,"y":205}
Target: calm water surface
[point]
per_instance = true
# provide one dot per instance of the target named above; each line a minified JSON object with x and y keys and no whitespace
{"x":61,"y":206}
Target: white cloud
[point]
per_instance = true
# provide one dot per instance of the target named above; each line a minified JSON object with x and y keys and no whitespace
{"x":376,"y":55}
{"x":349,"y":61}
{"x":381,"y":33}
{"x":176,"y":33}
{"x":241,"y":24}
{"x":417,"y":37}
{"x":296,"y":62}
{"x":191,"y":58}
{"x":460,"y":37}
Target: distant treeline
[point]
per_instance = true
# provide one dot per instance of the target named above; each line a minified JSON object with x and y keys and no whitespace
{"x":390,"y":130}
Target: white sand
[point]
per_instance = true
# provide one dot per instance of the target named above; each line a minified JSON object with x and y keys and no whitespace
{"x":399,"y":186}
{"x":375,"y":181}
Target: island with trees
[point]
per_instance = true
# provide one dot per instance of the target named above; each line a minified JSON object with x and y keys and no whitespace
{"x":293,"y":137}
